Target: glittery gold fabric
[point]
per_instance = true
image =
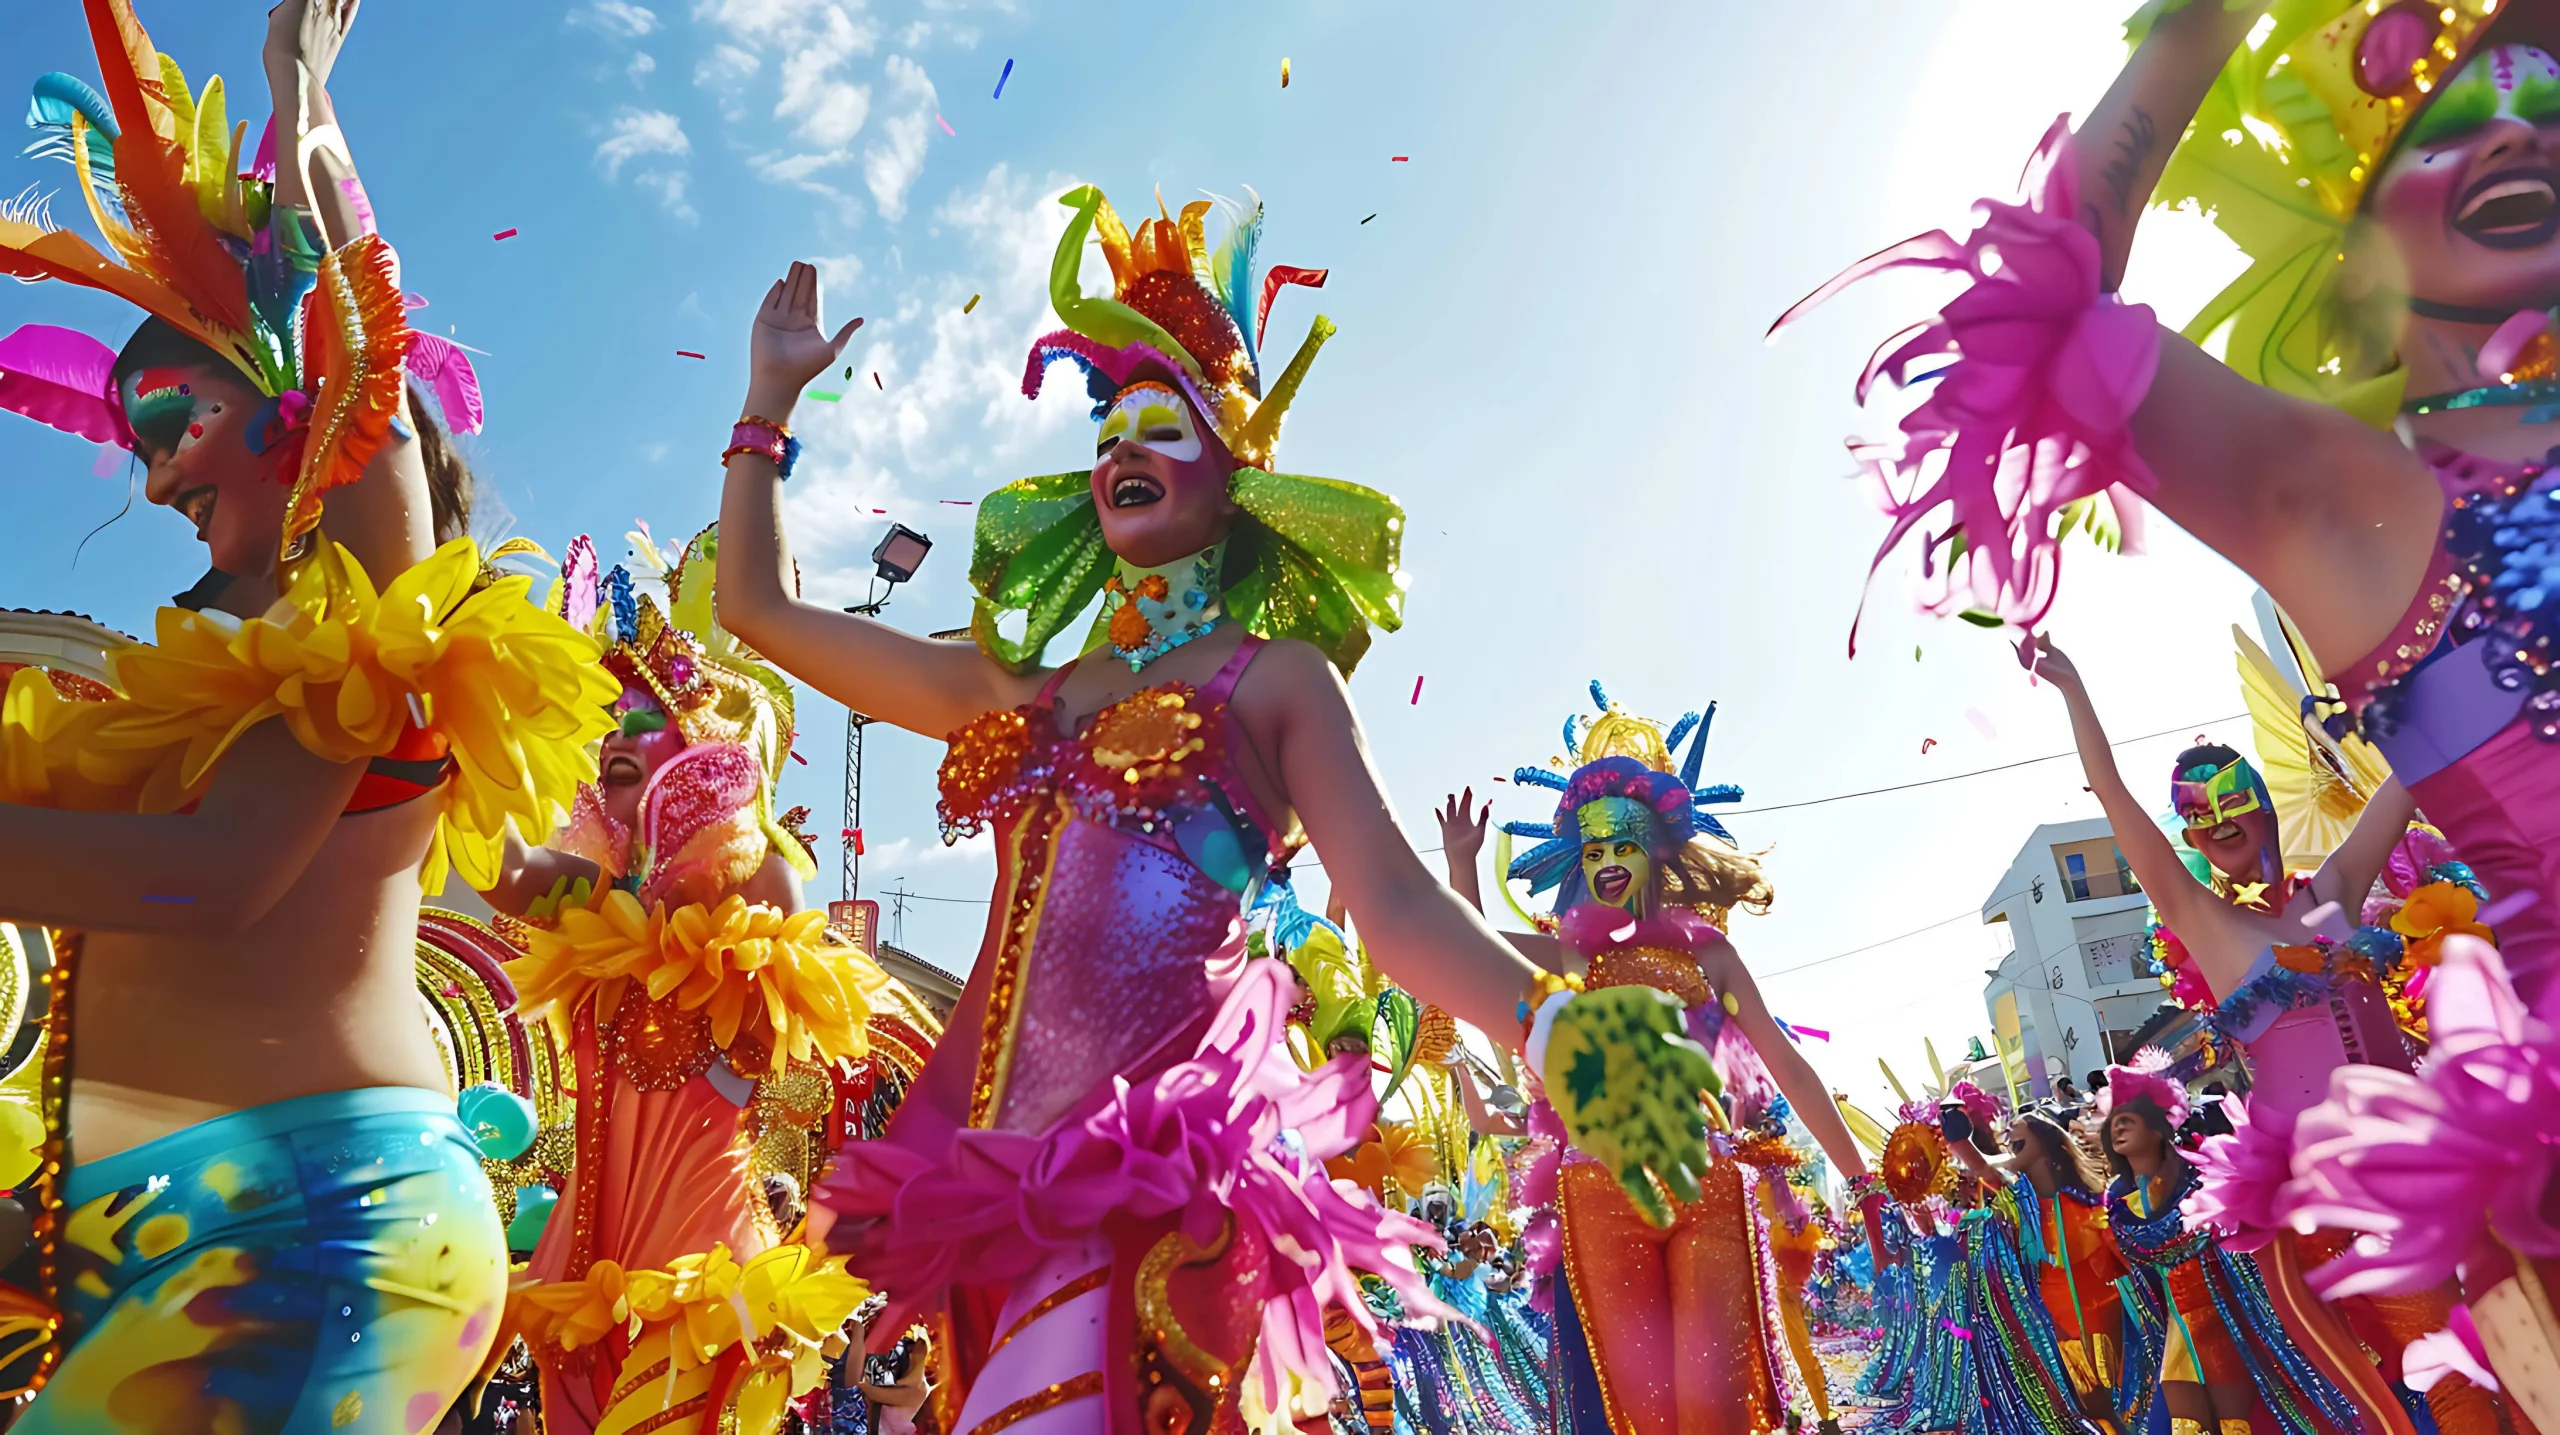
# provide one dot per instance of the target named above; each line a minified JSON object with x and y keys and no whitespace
{"x":1672,"y":1314}
{"x":1662,"y":968}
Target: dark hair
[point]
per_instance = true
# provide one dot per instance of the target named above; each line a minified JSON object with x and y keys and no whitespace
{"x":2097,"y":1080}
{"x":158,"y":344}
{"x":2211,"y":755}
{"x":2153,"y":1117}
{"x":2070,"y":1159}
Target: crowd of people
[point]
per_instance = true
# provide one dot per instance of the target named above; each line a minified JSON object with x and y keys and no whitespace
{"x":672,"y":1153}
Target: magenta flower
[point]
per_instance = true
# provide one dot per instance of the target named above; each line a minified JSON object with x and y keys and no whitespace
{"x":2244,"y":1175}
{"x":2454,"y":1350}
{"x":2428,"y":1163}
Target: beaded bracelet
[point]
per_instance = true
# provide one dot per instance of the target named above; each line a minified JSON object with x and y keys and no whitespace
{"x":778,"y":444}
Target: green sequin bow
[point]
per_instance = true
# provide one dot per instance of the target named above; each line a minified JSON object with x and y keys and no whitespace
{"x":1315,"y":559}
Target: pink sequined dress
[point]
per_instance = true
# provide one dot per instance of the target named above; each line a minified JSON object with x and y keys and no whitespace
{"x":1114,"y":1141}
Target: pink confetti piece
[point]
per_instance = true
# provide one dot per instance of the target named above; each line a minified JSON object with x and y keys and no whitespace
{"x":946,"y":126}
{"x":1417,"y":690}
{"x":2507,"y":906}
{"x":1960,"y":1332}
{"x":1817,"y":1033}
{"x":1398,"y":158}
{"x":687,"y":354}
{"x":1980,"y":723}
{"x":504,"y":234}
{"x":795,"y":757}
{"x":1927,"y":743}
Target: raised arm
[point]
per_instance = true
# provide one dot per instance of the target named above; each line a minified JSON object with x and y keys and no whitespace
{"x":385,"y":518}
{"x":2125,"y":141}
{"x":2349,"y":872}
{"x":216,"y":870}
{"x":1425,"y":938}
{"x":919,"y":684}
{"x":2146,"y":849}
{"x":1461,"y":844}
{"x":1795,"y":1076}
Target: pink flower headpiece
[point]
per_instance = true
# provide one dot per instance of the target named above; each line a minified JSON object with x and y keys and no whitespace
{"x":2146,"y":1078}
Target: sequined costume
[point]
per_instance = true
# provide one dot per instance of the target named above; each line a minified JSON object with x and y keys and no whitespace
{"x":2028,"y":1374}
{"x":2199,"y":1314}
{"x":1141,"y":1277}
{"x":693,"y":1018}
{"x":1678,"y":1328}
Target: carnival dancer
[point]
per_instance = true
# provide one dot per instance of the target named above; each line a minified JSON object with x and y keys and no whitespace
{"x":2300,"y":1003}
{"x":671,"y":944}
{"x":1136,"y":798}
{"x":2200,"y":1330}
{"x":259,"y":1211}
{"x":1677,"y":1330}
{"x":2046,"y":1214}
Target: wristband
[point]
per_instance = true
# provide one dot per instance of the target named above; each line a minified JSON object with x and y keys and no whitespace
{"x":764,"y":437}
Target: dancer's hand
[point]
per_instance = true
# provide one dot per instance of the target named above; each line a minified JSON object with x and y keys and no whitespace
{"x":1626,"y":1080}
{"x":788,"y":347}
{"x":311,"y":31}
{"x":2051,"y":663}
{"x":1461,"y":836}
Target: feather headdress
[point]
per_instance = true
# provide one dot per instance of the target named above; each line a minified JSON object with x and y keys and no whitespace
{"x":1314,"y":559}
{"x":1619,"y":752}
{"x":194,"y":239}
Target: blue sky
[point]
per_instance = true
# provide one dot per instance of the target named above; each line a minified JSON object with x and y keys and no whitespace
{"x":1550,"y":352}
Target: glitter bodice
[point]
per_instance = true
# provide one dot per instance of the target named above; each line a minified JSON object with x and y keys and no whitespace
{"x":1123,"y":852}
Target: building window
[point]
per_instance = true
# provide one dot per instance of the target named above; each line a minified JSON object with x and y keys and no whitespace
{"x":2075,"y":875}
{"x":2094,"y":869}
{"x":2124,"y":873}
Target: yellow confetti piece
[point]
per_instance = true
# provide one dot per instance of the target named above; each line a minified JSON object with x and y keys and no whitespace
{"x":350,"y":1409}
{"x":972,"y":304}
{"x":1284,"y":72}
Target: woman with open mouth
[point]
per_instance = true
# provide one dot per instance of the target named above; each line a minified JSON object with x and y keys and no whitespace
{"x":2375,"y":445}
{"x":256,"y":1209}
{"x":1113,"y":1143}
{"x":1693,"y":1328}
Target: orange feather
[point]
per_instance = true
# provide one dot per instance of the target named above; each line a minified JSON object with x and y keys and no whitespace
{"x":184,"y":251}
{"x":355,"y":337}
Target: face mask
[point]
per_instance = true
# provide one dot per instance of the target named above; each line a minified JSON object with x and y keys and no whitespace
{"x":2230,"y":791}
{"x":1152,"y":416}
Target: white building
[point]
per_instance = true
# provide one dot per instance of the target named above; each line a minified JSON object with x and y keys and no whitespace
{"x":2076,"y":981}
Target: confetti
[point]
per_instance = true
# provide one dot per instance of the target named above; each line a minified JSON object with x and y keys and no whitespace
{"x":1927,"y":743}
{"x":1417,"y":690}
{"x":1958,"y":1331}
{"x":848,"y":371}
{"x":880,"y":510}
{"x":155,"y":897}
{"x":1284,"y":72}
{"x":961,"y":502}
{"x":972,"y":304}
{"x":1817,"y":1033}
{"x":946,"y":126}
{"x":825,"y":397}
{"x":1000,"y":79}
{"x":1980,"y":723}
{"x":1399,"y":158}
{"x":795,"y":757}
{"x":504,"y":234}
{"x":1915,"y":652}
{"x":1367,"y":220}
{"x":110,"y":462}
{"x":875,"y":381}
{"x":687,"y":354}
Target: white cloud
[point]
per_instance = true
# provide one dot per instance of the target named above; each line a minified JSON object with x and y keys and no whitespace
{"x":726,"y":67}
{"x":890,"y":166}
{"x":637,"y":132}
{"x":670,"y":185}
{"x":643,"y":65}
{"x":618,"y":18}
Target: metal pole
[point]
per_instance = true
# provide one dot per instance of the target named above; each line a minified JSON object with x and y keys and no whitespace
{"x":854,"y":723}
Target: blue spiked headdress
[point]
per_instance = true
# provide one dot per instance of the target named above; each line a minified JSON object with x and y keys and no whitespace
{"x":1626,"y":776}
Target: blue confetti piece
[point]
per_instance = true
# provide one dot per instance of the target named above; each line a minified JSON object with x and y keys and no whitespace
{"x":149,"y":897}
{"x":1000,"y":79}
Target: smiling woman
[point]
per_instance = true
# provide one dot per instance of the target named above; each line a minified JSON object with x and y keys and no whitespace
{"x":233,"y":842}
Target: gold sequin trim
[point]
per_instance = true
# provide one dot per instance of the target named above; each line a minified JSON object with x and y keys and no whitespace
{"x":1035,"y":851}
{"x":1155,"y":1305}
{"x":630,"y":1387}
{"x":1085,"y":1284}
{"x":1046,"y":1398}
{"x":1662,"y":968}
{"x":681,"y":1410}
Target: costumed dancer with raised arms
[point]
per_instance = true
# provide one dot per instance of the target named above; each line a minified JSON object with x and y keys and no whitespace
{"x":1679,"y":1329}
{"x":257,"y":1208}
{"x":1100,"y":1138}
{"x":699,"y":997}
{"x":2201,"y":1334}
{"x":2387,"y":169}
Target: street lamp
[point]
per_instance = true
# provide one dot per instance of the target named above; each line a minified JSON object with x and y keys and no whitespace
{"x":900,"y":552}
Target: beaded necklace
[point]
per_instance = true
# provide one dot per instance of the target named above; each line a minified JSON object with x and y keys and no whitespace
{"x":1149,"y":612}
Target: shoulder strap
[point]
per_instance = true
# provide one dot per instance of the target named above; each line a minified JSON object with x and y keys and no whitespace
{"x":1223,"y":686}
{"x":1049,"y":690}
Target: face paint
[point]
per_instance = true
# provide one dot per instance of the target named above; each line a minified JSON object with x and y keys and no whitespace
{"x":1153,"y":416}
{"x":1618,"y":872}
{"x":166,"y":414}
{"x":2215,"y":798}
{"x":2509,"y":82}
